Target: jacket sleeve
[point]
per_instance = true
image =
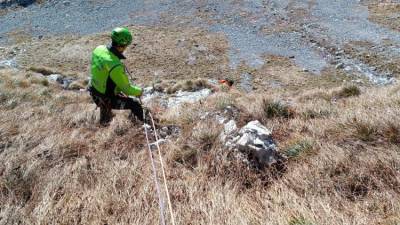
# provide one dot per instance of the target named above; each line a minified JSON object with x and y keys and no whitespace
{"x":121,"y":80}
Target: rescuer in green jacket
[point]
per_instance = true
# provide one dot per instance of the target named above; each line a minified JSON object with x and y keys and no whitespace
{"x":109,"y":84}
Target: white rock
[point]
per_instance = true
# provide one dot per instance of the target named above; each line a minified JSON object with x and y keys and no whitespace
{"x":204,"y":115}
{"x":153,"y":146}
{"x":230,"y":127}
{"x":146,"y":126}
{"x":244,"y":141}
{"x":66,"y":83}
{"x":220,"y":119}
{"x":253,"y":139}
{"x":257,"y":128}
{"x":348,"y":69}
{"x":148,"y":90}
{"x":192,"y":60}
{"x":55,"y":78}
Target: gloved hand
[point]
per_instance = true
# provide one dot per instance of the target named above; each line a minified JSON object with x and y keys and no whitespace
{"x":141,"y":93}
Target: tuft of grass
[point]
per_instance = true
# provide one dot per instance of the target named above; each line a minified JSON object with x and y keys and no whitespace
{"x":17,"y":184}
{"x":353,"y":179}
{"x":364,"y":131}
{"x":276,"y":109}
{"x":76,"y":85}
{"x":42,"y":81}
{"x":299,"y":221}
{"x":224,"y":101}
{"x":206,"y":134}
{"x":349,"y":91}
{"x":357,"y":187}
{"x":314,"y":114}
{"x":159,"y":87}
{"x":188,"y":85}
{"x":392,"y":133}
{"x":200,"y":83}
{"x":43,"y":70}
{"x":23,"y":83}
{"x":12,"y":104}
{"x":299,"y":148}
{"x":186,"y":155}
{"x":174,"y":88}
{"x":4,"y":97}
{"x":45,"y":92}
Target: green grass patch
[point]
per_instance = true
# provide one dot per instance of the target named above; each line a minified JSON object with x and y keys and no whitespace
{"x":364,"y":131}
{"x":186,"y":155}
{"x":276,"y":109}
{"x":299,"y":221}
{"x":299,"y":148}
{"x":349,"y":91}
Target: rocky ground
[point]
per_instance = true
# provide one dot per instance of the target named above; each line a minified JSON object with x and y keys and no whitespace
{"x":319,"y":76}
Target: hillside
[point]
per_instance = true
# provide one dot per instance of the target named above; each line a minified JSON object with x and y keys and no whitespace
{"x":332,"y":106}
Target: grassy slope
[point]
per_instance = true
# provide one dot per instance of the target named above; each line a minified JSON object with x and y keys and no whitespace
{"x":58,"y":166}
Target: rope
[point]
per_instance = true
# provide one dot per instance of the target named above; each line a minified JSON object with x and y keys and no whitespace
{"x":161,"y":204}
{"x":163,"y":171}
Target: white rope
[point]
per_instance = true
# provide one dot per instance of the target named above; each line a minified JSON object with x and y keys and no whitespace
{"x":154,"y":168}
{"x":161,"y":203}
{"x":163,"y":171}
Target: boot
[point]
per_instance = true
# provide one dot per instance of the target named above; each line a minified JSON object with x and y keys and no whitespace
{"x":106,"y":116}
{"x":134,"y":120}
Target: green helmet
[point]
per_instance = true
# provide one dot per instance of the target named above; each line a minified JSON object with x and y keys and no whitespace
{"x":121,"y":36}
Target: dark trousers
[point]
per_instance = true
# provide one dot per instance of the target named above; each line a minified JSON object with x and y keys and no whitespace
{"x":118,"y":102}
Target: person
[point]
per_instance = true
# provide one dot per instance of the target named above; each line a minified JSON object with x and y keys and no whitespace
{"x":109,"y":84}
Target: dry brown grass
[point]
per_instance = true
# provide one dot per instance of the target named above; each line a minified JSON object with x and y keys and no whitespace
{"x":57,"y":166}
{"x":361,"y":50}
{"x":160,"y":54}
{"x":385,"y":13}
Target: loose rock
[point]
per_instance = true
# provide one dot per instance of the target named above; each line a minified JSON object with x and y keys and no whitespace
{"x":56,"y":78}
{"x":340,"y":66}
{"x":254,"y":139}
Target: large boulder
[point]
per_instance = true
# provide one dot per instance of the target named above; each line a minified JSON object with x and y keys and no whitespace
{"x":254,"y":139}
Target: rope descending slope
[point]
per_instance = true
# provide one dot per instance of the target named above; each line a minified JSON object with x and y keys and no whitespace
{"x":155,"y":175}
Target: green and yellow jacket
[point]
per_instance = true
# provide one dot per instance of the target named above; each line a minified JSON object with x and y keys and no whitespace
{"x":108,"y":73}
